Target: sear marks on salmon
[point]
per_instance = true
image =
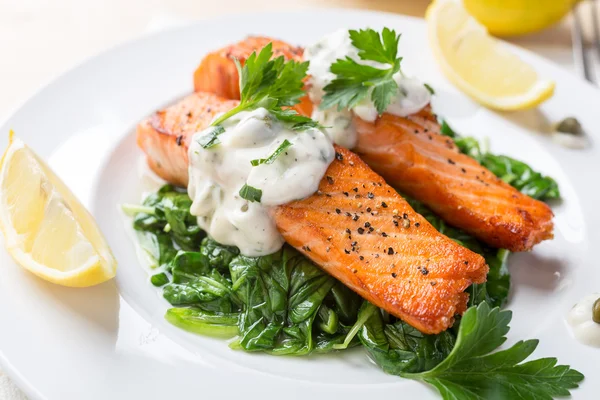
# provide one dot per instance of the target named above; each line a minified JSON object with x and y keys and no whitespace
{"x":414,"y":157}
{"x":361,"y":231}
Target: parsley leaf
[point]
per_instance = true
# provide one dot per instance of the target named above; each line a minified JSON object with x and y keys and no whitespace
{"x":211,"y":137}
{"x":250,"y":193}
{"x":470,"y":372}
{"x":355,"y":81}
{"x":371,"y":46}
{"x":271,"y":83}
{"x":429,"y":88}
{"x":269,"y":160}
{"x":298,"y":122}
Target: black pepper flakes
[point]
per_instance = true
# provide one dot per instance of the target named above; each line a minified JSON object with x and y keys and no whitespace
{"x":394,"y":275}
{"x":361,"y":258}
{"x":348,"y":231}
{"x":354,"y":271}
{"x":348,"y":214}
{"x":346,"y":251}
{"x":339,"y":156}
{"x":360,"y":230}
{"x":346,"y":194}
{"x":355,"y":189}
{"x":464,"y":171}
{"x":384,"y":234}
{"x":451,"y":161}
{"x":330,"y":180}
{"x":337,"y":210}
{"x":433,"y":283}
{"x":390,"y":251}
{"x":367,"y":224}
{"x":355,"y":218}
{"x":417,"y":224}
{"x":395,"y":223}
{"x":383,"y":204}
{"x":466,"y":262}
{"x":424,"y":271}
{"x":370,"y":195}
{"x":368,"y":209}
{"x":178,"y":140}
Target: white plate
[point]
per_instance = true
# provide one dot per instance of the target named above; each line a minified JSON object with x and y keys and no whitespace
{"x":111,"y":341}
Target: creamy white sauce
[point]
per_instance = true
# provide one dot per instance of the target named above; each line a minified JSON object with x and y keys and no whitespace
{"x":338,"y":126}
{"x":412,"y":94}
{"x":580,"y":321}
{"x":217,"y":174}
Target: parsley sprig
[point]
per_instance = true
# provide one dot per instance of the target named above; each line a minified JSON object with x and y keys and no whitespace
{"x":472,"y":372}
{"x":271,"y":84}
{"x":354,"y":81}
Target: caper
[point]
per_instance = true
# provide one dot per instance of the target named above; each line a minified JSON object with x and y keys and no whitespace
{"x":570,"y":125}
{"x":596,"y":311}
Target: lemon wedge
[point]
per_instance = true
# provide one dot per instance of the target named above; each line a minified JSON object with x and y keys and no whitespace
{"x":479,"y":65}
{"x":46,"y":229}
{"x":518,"y":17}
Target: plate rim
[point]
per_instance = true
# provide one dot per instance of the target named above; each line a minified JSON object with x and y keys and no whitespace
{"x":9,"y":370}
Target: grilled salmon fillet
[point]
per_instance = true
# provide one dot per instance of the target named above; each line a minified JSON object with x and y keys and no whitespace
{"x":165,"y":136}
{"x":360,"y":230}
{"x":412,"y":155}
{"x":356,"y":227}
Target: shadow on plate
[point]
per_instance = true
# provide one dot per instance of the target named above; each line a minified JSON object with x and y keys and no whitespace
{"x":532,"y":120}
{"x":98,"y":305}
{"x":542,"y":273}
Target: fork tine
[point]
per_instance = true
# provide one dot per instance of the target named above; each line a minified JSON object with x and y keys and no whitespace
{"x":582,"y":61}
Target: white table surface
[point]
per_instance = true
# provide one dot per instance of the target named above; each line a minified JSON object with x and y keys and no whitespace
{"x":40,"y":39}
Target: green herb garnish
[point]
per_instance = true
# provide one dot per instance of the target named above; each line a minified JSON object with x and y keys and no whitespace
{"x":472,"y":371}
{"x":211,"y":137}
{"x":271,"y":84}
{"x":250,"y":193}
{"x":354,"y":81}
{"x":269,"y":160}
{"x":429,"y":88}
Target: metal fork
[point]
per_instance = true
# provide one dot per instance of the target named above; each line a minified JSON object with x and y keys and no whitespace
{"x":581,"y":56}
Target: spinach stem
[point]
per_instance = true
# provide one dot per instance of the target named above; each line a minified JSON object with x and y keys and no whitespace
{"x":133,"y":209}
{"x":363,"y":317}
